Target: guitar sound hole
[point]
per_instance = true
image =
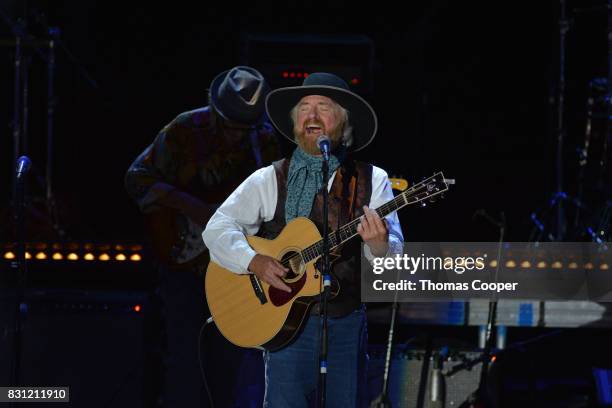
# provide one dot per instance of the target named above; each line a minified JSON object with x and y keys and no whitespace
{"x":293,"y":261}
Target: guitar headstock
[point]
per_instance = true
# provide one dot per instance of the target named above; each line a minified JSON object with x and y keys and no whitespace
{"x":427,"y":189}
{"x":398,"y":184}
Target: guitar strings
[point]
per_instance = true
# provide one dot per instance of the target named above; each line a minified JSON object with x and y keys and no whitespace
{"x":312,"y":251}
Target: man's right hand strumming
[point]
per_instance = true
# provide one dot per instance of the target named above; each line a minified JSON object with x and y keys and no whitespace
{"x":270,"y":271}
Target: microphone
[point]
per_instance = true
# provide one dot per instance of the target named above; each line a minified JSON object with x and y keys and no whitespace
{"x":323,"y":142}
{"x":438,"y":384}
{"x":23,"y":166}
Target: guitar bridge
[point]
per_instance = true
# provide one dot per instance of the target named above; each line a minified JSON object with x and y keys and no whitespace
{"x":258,"y":289}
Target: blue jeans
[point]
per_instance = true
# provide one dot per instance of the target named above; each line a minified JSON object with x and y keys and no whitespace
{"x":292,"y":373}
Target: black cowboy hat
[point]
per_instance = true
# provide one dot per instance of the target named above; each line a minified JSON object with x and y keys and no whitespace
{"x":361,"y":115}
{"x":239,"y":94}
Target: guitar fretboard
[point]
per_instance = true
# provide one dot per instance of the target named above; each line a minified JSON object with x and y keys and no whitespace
{"x":428,"y":188}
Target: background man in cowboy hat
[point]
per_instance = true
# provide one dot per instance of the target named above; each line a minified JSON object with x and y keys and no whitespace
{"x":192,"y":165}
{"x":290,"y":188}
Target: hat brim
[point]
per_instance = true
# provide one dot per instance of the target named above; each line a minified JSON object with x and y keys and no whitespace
{"x":214,"y":92}
{"x":361,"y":115}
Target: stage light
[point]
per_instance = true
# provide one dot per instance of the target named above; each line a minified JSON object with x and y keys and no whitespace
{"x":510,"y":264}
{"x":525,"y":264}
{"x":71,"y":252}
{"x":493,"y":264}
{"x":604,"y":267}
{"x":137,"y":308}
{"x":572,"y":265}
{"x":588,"y":265}
{"x":355,"y":81}
{"x":541,"y":265}
{"x":285,"y":74}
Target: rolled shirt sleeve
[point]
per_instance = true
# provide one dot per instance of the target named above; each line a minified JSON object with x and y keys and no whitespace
{"x":381,"y":194}
{"x":252,"y":203}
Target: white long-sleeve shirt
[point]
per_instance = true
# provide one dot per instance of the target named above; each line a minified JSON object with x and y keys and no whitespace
{"x":254,"y":202}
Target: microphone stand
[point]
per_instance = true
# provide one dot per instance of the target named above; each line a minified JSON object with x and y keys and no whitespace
{"x":326,"y":281}
{"x":382,"y":400}
{"x":561,"y":130}
{"x":19,"y":32}
{"x":19,"y":264}
{"x":46,"y":51}
{"x":480,"y":397}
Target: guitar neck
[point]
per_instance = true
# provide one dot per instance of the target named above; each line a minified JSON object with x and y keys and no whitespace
{"x":418,"y":192}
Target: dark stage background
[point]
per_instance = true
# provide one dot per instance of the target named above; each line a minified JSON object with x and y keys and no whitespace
{"x":463,"y":87}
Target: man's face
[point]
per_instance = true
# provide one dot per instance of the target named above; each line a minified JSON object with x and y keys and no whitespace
{"x":317,"y":115}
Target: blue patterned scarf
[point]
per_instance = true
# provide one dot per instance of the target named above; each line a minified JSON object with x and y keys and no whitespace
{"x":304,"y":181}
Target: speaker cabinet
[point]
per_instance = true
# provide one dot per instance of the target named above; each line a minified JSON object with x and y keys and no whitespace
{"x":94,"y":342}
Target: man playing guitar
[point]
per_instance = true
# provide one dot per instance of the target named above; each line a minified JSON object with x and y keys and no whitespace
{"x":269,"y":199}
{"x":192,"y":165}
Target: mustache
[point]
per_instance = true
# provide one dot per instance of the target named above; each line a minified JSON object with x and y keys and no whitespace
{"x":313,"y":123}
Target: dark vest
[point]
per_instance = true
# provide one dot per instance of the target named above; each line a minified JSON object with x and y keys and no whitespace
{"x":350,"y":191}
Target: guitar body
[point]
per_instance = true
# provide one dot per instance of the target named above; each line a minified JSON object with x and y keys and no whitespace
{"x":251,"y":321}
{"x":175,"y":240}
{"x":163,"y":231}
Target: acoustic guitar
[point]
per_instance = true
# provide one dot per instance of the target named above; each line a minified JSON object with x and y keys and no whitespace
{"x":251,"y":313}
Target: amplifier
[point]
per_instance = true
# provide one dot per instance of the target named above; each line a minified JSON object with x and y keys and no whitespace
{"x":410,"y":377}
{"x":96,"y":343}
